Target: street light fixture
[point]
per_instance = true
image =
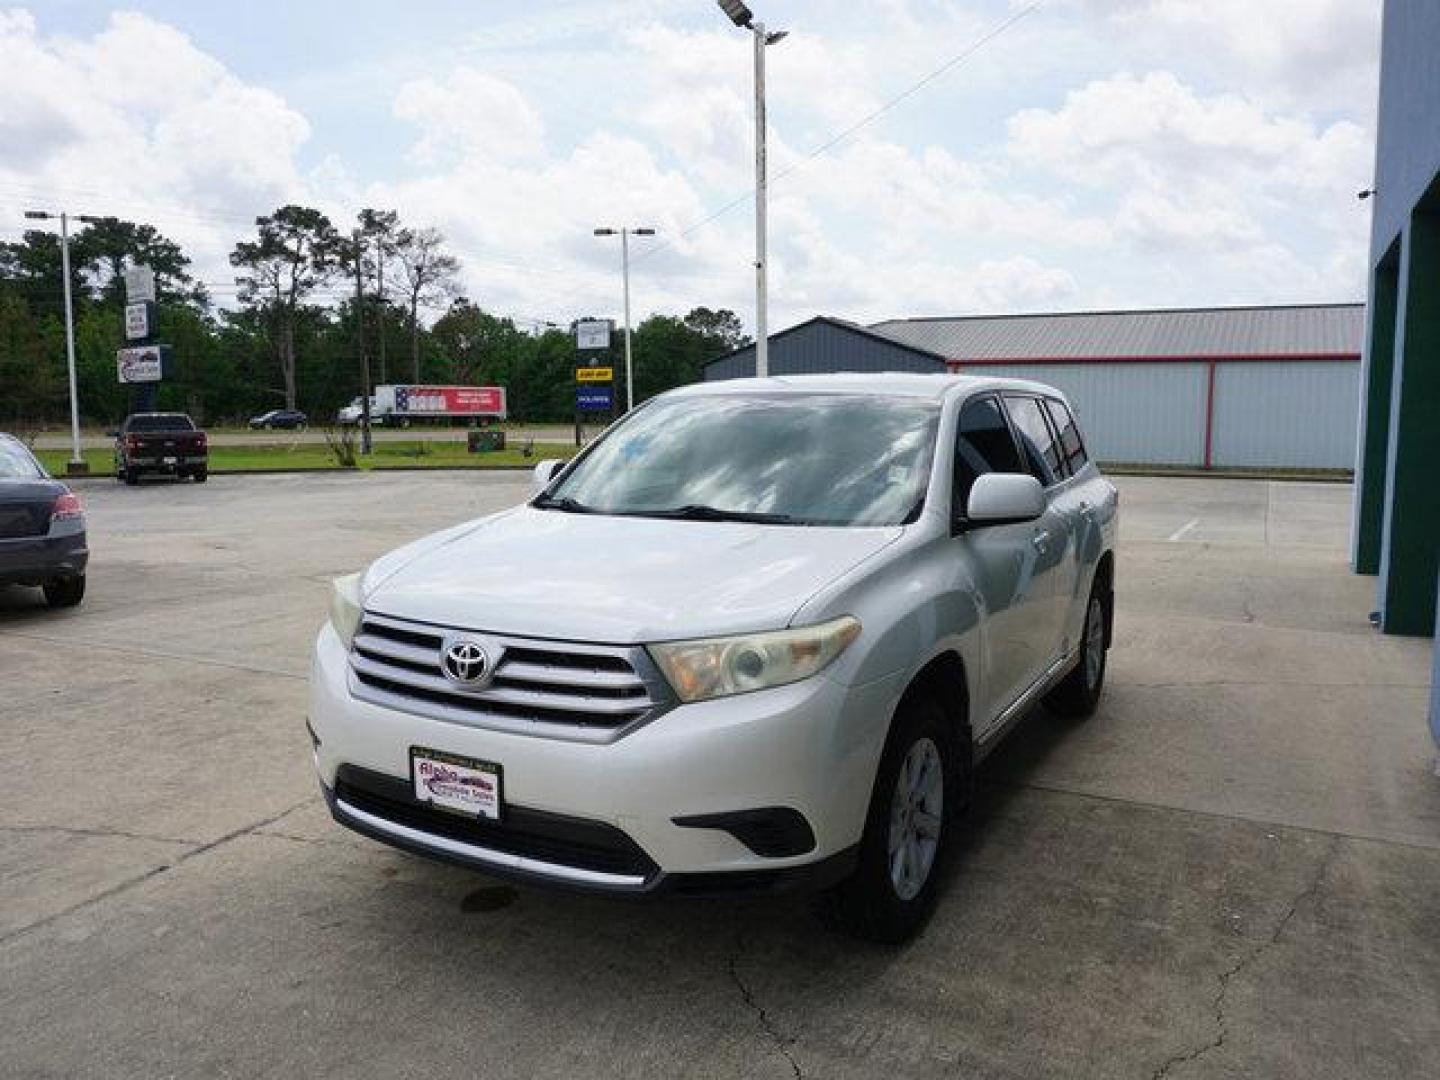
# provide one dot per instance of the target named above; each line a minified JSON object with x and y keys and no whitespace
{"x":744,"y":18}
{"x":625,"y":232}
{"x":77,"y":460}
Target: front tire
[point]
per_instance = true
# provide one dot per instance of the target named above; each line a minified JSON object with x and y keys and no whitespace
{"x":1078,"y":694}
{"x":909,"y":830}
{"x":65,"y":592}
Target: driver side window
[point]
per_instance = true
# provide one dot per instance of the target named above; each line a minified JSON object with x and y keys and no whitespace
{"x":983,"y":444}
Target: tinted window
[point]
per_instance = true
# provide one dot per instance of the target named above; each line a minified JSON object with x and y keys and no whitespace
{"x":1042,"y":454}
{"x":1070,"y":444}
{"x":818,"y":459}
{"x":16,"y":462}
{"x":160,"y":422}
{"x":983,"y":445}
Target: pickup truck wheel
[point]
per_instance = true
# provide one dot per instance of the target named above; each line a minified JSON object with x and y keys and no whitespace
{"x":65,"y":592}
{"x":200,"y":476}
{"x":909,"y":829}
{"x":130,"y":476}
{"x":1078,"y":694}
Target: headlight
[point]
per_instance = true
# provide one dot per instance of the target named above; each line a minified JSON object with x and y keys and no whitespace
{"x":719,"y":667}
{"x":345,"y":607}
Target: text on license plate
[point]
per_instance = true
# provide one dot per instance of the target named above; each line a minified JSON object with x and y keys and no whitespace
{"x":452,"y":782}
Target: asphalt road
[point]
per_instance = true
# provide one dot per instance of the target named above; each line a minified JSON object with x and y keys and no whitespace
{"x":1230,"y":871}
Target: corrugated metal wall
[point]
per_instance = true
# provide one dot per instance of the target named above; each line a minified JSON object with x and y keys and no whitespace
{"x":1298,"y":414}
{"x":1151,"y":414}
{"x":821,"y":348}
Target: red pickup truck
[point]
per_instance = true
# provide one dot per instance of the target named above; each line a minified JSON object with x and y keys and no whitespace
{"x":167,"y":443}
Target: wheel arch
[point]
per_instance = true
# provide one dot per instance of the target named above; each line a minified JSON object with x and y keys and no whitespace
{"x":944,"y":677}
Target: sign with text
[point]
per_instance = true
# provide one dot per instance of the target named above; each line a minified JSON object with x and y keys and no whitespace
{"x":594,"y":400}
{"x":139,"y":283}
{"x":594,"y":375}
{"x":444,"y":400}
{"x":138,"y":320}
{"x":144,"y":364}
{"x":592,"y":334}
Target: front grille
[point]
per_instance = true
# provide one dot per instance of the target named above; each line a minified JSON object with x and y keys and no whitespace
{"x":549,"y":838}
{"x":591,"y":693}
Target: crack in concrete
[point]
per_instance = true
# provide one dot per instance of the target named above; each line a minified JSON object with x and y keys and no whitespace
{"x":157,"y":654}
{"x":101,"y":833}
{"x":1228,"y":976}
{"x":140,"y":879}
{"x":781,"y":1042}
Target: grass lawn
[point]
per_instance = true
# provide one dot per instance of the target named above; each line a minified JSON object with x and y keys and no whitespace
{"x":421,"y":453}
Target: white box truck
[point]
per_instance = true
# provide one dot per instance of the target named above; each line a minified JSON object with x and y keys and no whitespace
{"x":404,"y":404}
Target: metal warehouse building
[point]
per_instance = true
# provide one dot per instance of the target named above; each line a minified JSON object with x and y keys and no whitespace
{"x":1271,"y":387}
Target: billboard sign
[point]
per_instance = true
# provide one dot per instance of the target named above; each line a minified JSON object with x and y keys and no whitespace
{"x":138,"y":318}
{"x":442,"y":400}
{"x":139,"y":283}
{"x":594,"y":399}
{"x":145,"y":364}
{"x":594,"y":375}
{"x":592,"y":334}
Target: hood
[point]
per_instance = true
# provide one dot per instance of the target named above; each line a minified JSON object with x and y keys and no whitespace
{"x":619,"y":580}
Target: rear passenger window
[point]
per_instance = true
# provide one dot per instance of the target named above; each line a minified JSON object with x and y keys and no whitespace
{"x":1071,"y":445}
{"x":1042,"y":452}
{"x":983,"y":445}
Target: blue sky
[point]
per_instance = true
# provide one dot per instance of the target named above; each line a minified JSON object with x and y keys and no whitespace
{"x":1097,"y":153}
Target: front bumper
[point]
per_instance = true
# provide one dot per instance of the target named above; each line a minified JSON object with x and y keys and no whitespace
{"x":34,"y":560}
{"x":811,"y":747}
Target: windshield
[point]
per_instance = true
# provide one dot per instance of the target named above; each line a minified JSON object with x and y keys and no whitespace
{"x":16,"y":462}
{"x":160,"y":422}
{"x":805,"y":459}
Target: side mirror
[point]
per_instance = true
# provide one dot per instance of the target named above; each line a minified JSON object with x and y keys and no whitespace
{"x":1005,"y":499}
{"x":544,"y":472}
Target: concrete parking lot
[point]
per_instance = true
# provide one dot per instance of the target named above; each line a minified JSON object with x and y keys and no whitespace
{"x":1232,"y":870}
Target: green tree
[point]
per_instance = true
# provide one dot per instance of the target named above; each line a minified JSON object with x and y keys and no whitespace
{"x":297,"y":250}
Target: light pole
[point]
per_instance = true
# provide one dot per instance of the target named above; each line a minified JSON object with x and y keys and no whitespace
{"x":625,"y":233}
{"x":742,"y":17}
{"x":77,"y":460}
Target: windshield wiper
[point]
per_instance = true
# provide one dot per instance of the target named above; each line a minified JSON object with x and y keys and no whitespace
{"x":700,"y":512}
{"x":564,"y":503}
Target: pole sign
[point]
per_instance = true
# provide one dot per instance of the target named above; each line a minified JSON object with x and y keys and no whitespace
{"x":139,"y":320}
{"x":144,"y":364}
{"x":139,"y":284}
{"x":592,"y":334}
{"x":594,"y":399}
{"x":594,"y":375}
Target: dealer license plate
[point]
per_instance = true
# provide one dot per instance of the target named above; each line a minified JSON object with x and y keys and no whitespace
{"x":452,"y":782}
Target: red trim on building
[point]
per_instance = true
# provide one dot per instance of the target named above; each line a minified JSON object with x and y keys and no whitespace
{"x":1236,"y":358}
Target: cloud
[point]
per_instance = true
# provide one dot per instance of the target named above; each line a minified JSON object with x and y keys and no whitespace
{"x":470,"y":114}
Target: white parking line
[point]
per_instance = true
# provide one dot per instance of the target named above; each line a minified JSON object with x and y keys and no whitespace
{"x":1179,"y":534}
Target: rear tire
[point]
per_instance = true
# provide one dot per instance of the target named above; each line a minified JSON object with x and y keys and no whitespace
{"x":65,"y":592}
{"x":130,"y":476}
{"x":920,"y":791}
{"x":1078,"y":694}
{"x":200,"y":476}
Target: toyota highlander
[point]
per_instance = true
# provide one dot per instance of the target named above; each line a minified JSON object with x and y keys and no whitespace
{"x":755,"y":637}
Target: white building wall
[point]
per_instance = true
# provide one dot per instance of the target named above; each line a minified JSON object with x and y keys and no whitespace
{"x":1131,"y":413}
{"x":1292,"y":415}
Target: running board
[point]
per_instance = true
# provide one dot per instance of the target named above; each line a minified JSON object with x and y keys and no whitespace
{"x":1021,"y":706}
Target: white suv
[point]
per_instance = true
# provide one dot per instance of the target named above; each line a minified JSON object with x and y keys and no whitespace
{"x":756,"y":636}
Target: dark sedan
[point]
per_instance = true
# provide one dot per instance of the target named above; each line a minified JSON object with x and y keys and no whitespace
{"x":42,"y":528}
{"x":290,"y":419}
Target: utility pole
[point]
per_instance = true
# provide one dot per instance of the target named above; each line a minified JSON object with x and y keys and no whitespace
{"x":380,"y":309}
{"x":626,"y":232}
{"x":742,"y":17}
{"x":365,"y":439}
{"x":77,"y":459}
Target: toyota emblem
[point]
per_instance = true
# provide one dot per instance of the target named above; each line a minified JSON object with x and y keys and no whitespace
{"x":466,"y":662}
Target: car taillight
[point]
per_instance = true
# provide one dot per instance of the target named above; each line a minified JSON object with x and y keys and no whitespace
{"x":67,"y":508}
{"x":200,"y":439}
{"x":132,"y":442}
